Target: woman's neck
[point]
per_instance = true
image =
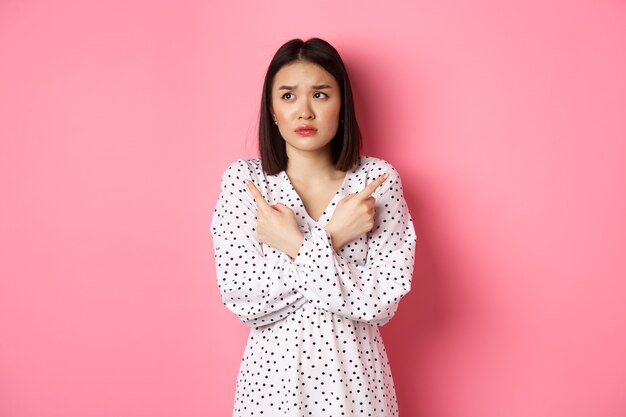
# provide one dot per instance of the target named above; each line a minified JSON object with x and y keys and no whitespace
{"x":307,"y":167}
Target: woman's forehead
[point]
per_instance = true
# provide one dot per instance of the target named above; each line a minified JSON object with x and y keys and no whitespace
{"x":303,"y":74}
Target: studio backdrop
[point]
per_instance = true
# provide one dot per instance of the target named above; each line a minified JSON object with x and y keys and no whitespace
{"x":504,"y":119}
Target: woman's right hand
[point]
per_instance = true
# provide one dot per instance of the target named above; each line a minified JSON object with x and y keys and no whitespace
{"x":354,"y":215}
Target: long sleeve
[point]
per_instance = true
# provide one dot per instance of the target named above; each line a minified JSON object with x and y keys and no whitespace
{"x":255,"y":286}
{"x":369,"y":292}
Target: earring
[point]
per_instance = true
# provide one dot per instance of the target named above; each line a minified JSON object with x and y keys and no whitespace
{"x":276,"y":122}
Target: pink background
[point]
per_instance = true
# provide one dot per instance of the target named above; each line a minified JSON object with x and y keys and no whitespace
{"x":505,"y":119}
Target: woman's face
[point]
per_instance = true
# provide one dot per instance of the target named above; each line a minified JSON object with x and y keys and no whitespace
{"x":306,"y":102}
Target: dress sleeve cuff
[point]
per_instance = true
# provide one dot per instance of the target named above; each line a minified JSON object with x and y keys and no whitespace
{"x":317,"y":241}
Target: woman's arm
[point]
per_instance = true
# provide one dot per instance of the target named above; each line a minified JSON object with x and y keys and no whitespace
{"x":369,"y":292}
{"x":255,"y":287}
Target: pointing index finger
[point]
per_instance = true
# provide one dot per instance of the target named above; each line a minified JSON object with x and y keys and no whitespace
{"x":372,"y":186}
{"x":256,"y":194}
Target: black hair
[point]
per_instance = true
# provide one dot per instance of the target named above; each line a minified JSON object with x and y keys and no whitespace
{"x":345,"y":146}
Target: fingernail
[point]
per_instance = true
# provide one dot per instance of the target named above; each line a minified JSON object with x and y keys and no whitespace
{"x":385,"y":175}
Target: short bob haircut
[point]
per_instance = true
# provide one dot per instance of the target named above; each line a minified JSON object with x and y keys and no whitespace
{"x":346,"y":144}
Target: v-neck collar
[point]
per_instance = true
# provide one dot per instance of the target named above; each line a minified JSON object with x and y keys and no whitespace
{"x":337,"y":194}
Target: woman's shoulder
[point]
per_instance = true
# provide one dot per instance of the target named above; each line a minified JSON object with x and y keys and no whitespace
{"x":240,"y":170}
{"x":244,"y":168}
{"x":376,"y":166}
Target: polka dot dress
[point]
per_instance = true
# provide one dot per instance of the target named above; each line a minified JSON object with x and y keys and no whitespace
{"x":314,"y":347}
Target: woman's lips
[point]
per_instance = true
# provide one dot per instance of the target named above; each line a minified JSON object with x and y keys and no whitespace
{"x":306,"y":131}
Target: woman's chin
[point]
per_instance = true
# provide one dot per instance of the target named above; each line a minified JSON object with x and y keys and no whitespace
{"x":308,"y":144}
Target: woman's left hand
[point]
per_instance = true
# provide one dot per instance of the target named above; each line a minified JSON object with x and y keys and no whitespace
{"x":276,"y":224}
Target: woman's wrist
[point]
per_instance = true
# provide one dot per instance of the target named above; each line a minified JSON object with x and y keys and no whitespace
{"x":335,"y":237}
{"x":293,"y":245}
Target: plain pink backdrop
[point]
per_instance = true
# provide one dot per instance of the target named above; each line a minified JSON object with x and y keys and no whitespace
{"x":506,"y":121}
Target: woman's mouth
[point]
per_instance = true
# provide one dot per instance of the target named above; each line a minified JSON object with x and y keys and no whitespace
{"x":306,"y":130}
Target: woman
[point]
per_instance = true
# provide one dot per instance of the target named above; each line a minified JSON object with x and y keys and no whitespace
{"x":314,"y":248}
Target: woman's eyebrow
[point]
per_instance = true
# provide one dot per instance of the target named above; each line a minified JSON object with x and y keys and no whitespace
{"x":315,"y":87}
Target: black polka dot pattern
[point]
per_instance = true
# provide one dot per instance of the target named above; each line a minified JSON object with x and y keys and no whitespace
{"x":314,"y":347}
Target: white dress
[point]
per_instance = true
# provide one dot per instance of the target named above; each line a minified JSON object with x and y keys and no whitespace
{"x":314,"y":347}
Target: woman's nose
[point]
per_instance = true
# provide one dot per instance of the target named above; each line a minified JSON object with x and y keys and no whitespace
{"x":306,"y":112}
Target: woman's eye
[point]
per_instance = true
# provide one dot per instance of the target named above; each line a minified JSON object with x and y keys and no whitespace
{"x":319,"y":94}
{"x":287,"y":96}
